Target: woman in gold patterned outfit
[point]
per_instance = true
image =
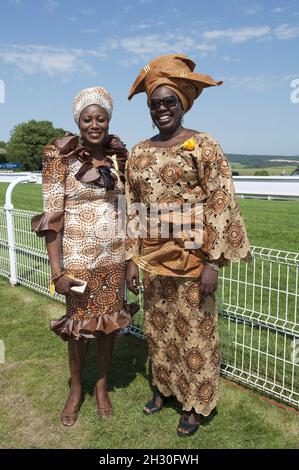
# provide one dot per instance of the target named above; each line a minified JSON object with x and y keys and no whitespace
{"x":176,"y":167}
{"x":81,"y":185}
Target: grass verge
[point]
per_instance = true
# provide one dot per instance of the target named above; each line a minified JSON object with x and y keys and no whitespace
{"x":34,"y":386}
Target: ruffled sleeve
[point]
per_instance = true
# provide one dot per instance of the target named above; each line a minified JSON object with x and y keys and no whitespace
{"x":225,"y":238}
{"x":132,"y":222}
{"x":53,"y":178}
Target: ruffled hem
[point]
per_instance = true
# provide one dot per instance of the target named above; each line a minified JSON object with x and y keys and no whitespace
{"x":46,"y":221}
{"x":200,"y":410}
{"x":95,"y":327}
{"x":204,"y":409}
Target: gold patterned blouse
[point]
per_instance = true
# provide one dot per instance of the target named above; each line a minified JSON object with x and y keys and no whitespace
{"x":174,"y":175}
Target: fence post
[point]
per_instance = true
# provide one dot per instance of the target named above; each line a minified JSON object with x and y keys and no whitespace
{"x":10,"y":224}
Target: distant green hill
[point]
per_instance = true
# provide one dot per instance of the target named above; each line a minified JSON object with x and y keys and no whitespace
{"x":262,"y":161}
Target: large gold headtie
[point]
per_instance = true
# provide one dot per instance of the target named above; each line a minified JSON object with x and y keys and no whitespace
{"x":175,"y":72}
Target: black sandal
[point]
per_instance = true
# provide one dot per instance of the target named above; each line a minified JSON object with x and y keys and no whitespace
{"x":184,"y":428}
{"x":151,"y":407}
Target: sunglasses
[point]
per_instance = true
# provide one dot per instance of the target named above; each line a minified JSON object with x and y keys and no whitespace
{"x":168,"y":102}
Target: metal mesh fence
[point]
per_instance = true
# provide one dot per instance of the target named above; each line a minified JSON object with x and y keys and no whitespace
{"x":258,"y":309}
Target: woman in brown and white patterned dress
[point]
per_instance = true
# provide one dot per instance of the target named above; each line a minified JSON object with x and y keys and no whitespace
{"x":178,"y":167}
{"x":81,"y":185}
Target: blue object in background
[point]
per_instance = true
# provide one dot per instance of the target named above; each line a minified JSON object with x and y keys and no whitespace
{"x":10,"y":166}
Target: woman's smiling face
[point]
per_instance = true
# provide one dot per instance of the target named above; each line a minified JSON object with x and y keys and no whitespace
{"x":94,"y":123}
{"x":166,"y":115}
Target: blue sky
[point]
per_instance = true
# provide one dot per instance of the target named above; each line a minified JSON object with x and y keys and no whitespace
{"x":50,"y":49}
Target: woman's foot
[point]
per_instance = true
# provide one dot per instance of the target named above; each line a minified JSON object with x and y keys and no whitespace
{"x":155,"y":404}
{"x":188,"y":424}
{"x":104,"y":405}
{"x":71,"y":409}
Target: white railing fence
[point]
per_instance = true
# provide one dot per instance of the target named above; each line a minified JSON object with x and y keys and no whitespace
{"x":258,"y":315}
{"x":270,"y":187}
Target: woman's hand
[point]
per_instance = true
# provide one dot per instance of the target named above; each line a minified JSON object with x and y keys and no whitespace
{"x":208,"y":281}
{"x":132,"y":277}
{"x":64,"y":283}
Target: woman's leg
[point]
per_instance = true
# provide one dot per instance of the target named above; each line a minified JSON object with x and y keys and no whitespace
{"x":77,"y":350}
{"x":189,"y":423}
{"x":191,"y":416}
{"x":105,"y":346}
{"x":156,"y":403}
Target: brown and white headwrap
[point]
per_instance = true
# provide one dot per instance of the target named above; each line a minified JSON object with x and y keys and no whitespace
{"x":88,"y":96}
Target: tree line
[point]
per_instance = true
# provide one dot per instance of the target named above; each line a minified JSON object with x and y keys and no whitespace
{"x":27,"y":140}
{"x":26,"y":144}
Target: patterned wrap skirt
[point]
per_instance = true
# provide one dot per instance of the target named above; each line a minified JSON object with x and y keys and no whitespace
{"x":183,"y":342}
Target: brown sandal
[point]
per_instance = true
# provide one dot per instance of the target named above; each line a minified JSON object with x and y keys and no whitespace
{"x":103,"y":412}
{"x":150,"y":407}
{"x":69,"y":419}
{"x":185,"y":428}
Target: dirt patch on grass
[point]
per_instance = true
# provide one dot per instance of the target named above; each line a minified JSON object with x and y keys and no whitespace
{"x":23,"y":424}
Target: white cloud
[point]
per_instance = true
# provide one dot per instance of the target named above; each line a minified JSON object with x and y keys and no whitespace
{"x":280,"y":9}
{"x":147,"y":46}
{"x":149,"y":24}
{"x":51,"y":5}
{"x":127,"y":62}
{"x":204,"y":48}
{"x":237,"y":35}
{"x":31,"y":59}
{"x":173,"y":10}
{"x":228,"y":59}
{"x":285,"y":31}
{"x":253,"y":10}
{"x":259,"y":83}
{"x":86,"y":11}
{"x":150,"y":45}
{"x":52,"y":61}
{"x":112,"y":44}
{"x":127,"y":8}
{"x":111,"y":22}
{"x":89,"y":31}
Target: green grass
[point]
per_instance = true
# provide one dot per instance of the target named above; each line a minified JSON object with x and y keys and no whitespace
{"x":272,"y":224}
{"x":272,"y":170}
{"x":34,"y":386}
{"x":26,"y":196}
